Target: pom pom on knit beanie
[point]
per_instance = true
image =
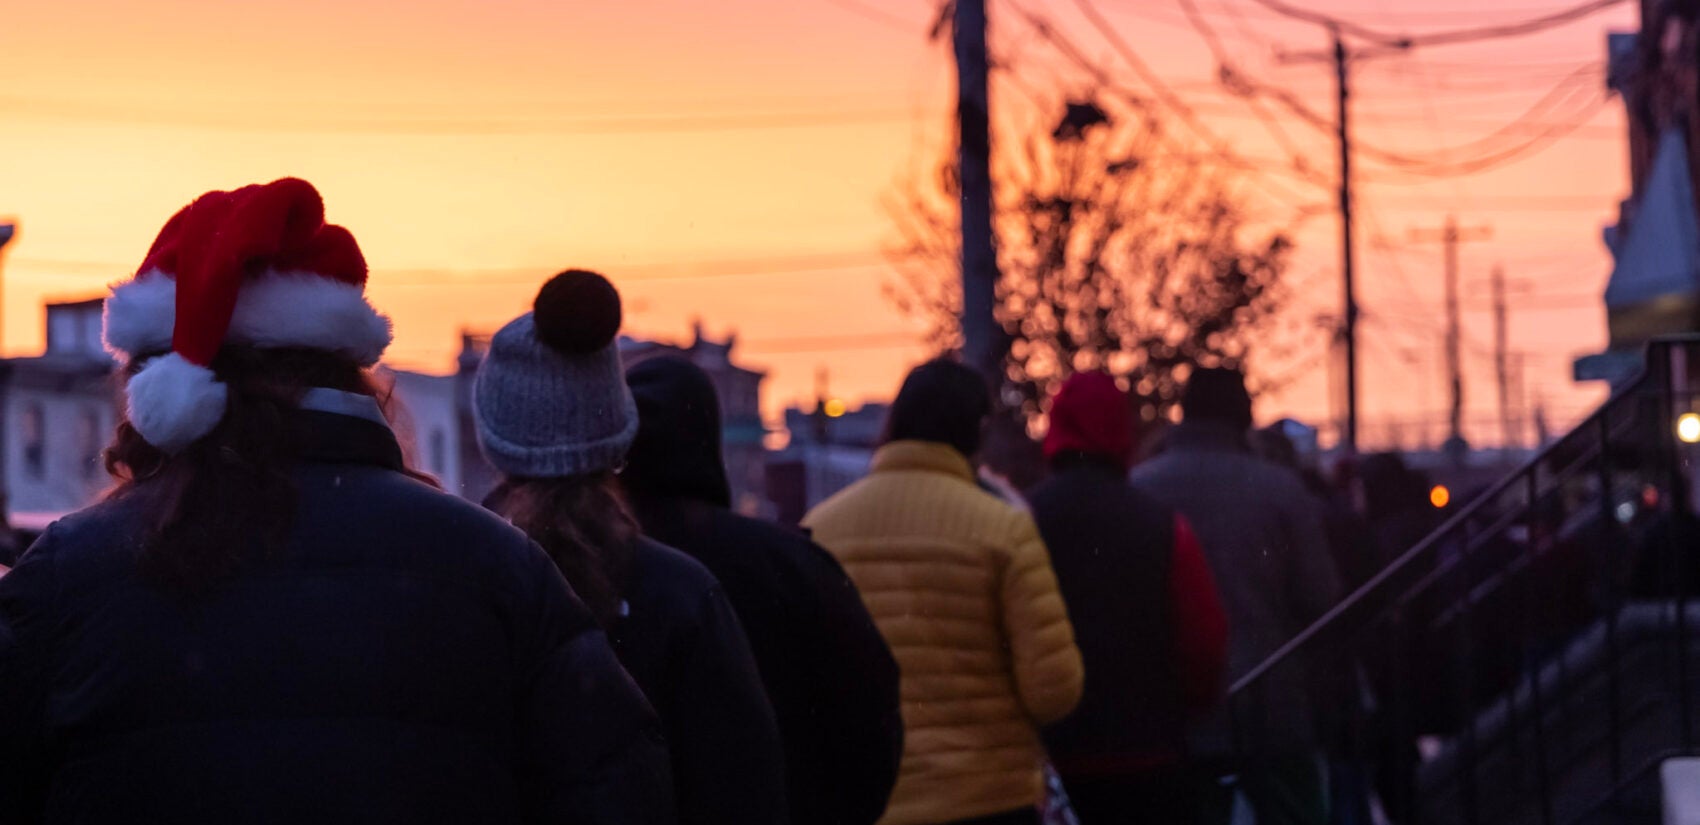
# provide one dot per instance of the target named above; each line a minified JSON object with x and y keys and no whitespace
{"x":550,"y":399}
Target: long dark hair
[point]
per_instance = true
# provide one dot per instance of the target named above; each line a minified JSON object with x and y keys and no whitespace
{"x":584,"y":525}
{"x":227,"y":499}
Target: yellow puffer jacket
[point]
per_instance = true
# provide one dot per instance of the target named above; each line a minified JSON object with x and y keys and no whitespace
{"x":961,"y":586}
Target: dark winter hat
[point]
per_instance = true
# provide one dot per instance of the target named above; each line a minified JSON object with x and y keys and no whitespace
{"x":1217,"y":395}
{"x":1091,"y":415}
{"x":942,"y":401}
{"x":550,"y":399}
{"x":677,"y":452}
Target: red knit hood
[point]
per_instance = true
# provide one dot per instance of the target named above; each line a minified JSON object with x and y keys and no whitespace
{"x":1091,"y":415}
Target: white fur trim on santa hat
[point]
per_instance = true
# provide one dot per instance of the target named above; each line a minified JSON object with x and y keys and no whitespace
{"x":273,"y":310}
{"x":173,"y":403}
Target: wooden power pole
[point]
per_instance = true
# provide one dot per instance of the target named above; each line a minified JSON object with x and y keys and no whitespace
{"x":1450,"y":237}
{"x":1342,"y":58}
{"x":982,"y":339}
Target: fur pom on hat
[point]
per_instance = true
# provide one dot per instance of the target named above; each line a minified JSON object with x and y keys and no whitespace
{"x":256,"y":266}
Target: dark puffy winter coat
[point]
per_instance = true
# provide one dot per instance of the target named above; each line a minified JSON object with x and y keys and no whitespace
{"x":1146,"y":614}
{"x":827,"y":670}
{"x":1264,"y":536}
{"x":403,"y":657}
{"x":683,"y":644}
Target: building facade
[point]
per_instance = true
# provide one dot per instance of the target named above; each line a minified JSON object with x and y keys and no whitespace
{"x":58,"y":411}
{"x":1655,"y":282}
{"x":739,"y":388}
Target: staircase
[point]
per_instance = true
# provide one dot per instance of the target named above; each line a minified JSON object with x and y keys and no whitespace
{"x":1536,"y":658}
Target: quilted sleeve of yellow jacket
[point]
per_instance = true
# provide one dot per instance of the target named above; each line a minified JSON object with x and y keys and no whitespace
{"x":1049,"y":675}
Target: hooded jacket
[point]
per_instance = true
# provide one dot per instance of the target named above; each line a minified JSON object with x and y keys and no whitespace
{"x":828,"y":673}
{"x":960,"y":584}
{"x":1144,"y":605}
{"x":402,"y":657}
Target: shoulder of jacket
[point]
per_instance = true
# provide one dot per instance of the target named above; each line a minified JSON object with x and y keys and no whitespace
{"x":675,"y":571}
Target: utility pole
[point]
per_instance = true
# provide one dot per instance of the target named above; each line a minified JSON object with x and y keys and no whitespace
{"x":822,"y":434}
{"x":1450,"y":236}
{"x":981,"y":337}
{"x":1342,"y":58}
{"x":1501,"y":369}
{"x":1508,"y":376}
{"x":1349,"y":329}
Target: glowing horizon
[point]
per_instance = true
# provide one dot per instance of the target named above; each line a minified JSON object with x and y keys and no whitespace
{"x":475,"y":151}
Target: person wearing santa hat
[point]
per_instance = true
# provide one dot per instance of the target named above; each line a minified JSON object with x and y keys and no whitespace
{"x":270,"y":619}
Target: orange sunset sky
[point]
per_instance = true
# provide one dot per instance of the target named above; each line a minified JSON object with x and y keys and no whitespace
{"x":725,"y":161}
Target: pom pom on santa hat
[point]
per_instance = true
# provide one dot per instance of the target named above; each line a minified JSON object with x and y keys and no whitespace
{"x":257,"y":266}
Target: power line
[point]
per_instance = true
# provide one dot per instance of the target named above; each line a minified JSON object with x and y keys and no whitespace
{"x":592,"y":125}
{"x":816,"y":264}
{"x":880,"y":16}
{"x":1442,"y":38}
{"x":1443,"y":162}
{"x":833,"y":343}
{"x":1213,"y":142}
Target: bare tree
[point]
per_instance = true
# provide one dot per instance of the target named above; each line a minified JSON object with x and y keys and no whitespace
{"x":1117,"y":254}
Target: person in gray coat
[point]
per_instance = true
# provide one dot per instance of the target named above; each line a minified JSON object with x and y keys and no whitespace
{"x":1266,"y":542}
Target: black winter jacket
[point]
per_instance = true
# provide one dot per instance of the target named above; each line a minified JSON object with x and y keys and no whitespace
{"x":828,"y":672}
{"x":404,"y":657}
{"x":682,"y":643}
{"x":1146,"y":614}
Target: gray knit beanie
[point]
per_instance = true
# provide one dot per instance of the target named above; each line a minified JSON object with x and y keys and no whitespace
{"x":551,"y":399}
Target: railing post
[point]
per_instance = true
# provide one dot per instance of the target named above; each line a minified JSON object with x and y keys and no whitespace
{"x":1531,"y":655}
{"x":1672,"y":370}
{"x":1467,"y":677}
{"x":1611,"y":602}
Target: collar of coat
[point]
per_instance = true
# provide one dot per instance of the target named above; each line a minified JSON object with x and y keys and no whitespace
{"x":344,"y":431}
{"x":925,"y":456}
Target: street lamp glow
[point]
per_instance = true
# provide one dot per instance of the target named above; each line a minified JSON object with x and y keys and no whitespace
{"x":834,"y":408}
{"x":1440,"y":496}
{"x":1688,"y":428}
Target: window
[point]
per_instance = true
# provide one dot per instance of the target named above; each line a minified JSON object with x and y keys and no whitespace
{"x":32,"y":428}
{"x":88,"y":443}
{"x":437,"y":453}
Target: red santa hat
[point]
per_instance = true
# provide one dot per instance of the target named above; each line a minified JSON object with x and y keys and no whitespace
{"x":257,"y":266}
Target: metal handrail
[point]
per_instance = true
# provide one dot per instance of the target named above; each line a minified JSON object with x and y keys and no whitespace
{"x":1376,"y":589}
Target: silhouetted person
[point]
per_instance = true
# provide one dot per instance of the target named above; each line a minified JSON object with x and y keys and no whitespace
{"x":555,"y":417}
{"x":1268,"y":548}
{"x":1145,"y":610}
{"x":961,"y":586}
{"x":828,"y":672}
{"x":271,"y":620}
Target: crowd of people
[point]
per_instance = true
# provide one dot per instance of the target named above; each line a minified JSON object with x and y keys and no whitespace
{"x":272,"y":619}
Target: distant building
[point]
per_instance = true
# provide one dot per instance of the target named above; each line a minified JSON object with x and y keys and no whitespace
{"x":739,"y":389}
{"x":826,"y":454}
{"x":424,"y":411}
{"x":58,"y":411}
{"x":1655,"y":281}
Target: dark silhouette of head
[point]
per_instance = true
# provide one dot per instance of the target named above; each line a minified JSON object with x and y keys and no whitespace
{"x":1217,"y":395}
{"x":941,"y":401}
{"x":1390,"y":486}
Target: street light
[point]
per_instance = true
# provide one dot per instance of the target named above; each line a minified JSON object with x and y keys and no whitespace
{"x":1688,"y":428}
